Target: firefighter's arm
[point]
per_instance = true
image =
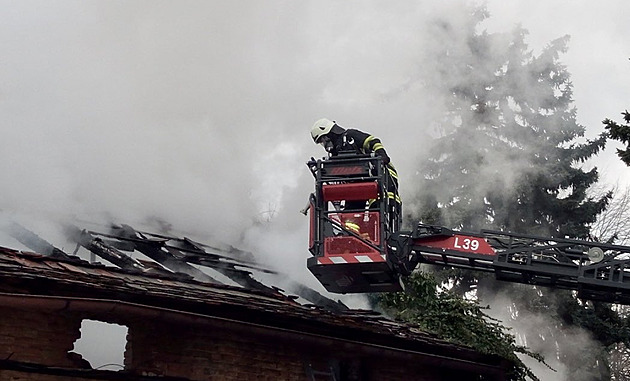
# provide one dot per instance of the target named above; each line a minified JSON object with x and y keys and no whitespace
{"x":373,"y":144}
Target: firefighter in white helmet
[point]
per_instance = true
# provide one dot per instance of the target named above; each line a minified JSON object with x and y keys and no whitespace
{"x":336,"y":139}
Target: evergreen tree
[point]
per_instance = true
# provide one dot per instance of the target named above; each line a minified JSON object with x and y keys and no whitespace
{"x":508,"y":157}
{"x":508,"y":151}
{"x":621,"y":133}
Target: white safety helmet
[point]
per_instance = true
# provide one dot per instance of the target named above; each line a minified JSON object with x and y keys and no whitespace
{"x":321,"y":128}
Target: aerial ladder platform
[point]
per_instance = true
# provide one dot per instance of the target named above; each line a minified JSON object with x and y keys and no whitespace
{"x":363,"y":250}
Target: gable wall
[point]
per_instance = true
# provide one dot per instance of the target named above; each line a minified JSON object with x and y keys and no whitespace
{"x":163,"y":347}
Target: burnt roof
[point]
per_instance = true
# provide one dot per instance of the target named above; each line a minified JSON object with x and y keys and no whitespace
{"x":141,"y":252}
{"x":29,"y":274}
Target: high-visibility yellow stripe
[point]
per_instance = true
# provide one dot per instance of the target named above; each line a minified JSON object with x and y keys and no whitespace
{"x":394,"y":196}
{"x":366,"y":143}
{"x":377,"y":146}
{"x":352,"y":226}
{"x":391,"y":195}
{"x":393,"y":173}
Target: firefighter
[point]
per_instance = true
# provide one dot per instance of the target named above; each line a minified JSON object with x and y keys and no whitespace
{"x":336,"y":139}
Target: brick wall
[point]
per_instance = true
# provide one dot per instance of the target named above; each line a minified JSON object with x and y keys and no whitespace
{"x":202,"y":352}
{"x":38,"y":337}
{"x":9,"y":375}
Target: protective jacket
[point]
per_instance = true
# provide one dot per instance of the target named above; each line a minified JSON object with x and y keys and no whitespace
{"x":360,"y":142}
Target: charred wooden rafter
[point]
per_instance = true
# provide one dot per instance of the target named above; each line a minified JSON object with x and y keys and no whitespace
{"x":97,"y":246}
{"x":171,"y":255}
{"x":34,"y":242}
{"x":177,"y":254}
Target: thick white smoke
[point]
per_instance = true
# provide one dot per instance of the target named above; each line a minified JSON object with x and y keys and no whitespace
{"x":197,"y":113}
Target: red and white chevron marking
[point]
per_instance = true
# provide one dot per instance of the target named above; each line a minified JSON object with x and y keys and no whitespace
{"x":350,"y":258}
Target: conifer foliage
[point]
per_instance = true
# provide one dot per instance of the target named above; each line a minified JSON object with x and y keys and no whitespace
{"x":508,"y":155}
{"x":456,"y":319}
{"x":621,"y":133}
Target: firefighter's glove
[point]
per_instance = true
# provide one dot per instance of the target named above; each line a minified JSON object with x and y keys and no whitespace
{"x":381,"y":152}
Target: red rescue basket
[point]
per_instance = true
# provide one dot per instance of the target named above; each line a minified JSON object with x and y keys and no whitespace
{"x":349,"y":225}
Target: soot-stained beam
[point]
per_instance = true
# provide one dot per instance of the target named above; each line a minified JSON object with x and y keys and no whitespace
{"x":103,"y":250}
{"x":33,"y":241}
{"x":154,"y":249}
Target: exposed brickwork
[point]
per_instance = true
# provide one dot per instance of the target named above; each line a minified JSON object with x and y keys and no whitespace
{"x":210,"y":354}
{"x":10,"y":375}
{"x":200,"y":352}
{"x":217,"y":354}
{"x":394,"y":370}
{"x":38,"y":337}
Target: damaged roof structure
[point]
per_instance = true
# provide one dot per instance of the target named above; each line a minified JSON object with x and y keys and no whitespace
{"x":196,"y":313}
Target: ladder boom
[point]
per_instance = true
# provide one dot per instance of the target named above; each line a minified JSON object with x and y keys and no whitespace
{"x":595,"y":270}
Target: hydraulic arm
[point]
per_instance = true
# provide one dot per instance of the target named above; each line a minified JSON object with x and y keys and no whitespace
{"x":595,"y":270}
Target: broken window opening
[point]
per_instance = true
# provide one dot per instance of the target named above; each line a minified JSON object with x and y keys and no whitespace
{"x":102,"y":345}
